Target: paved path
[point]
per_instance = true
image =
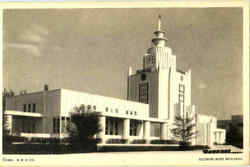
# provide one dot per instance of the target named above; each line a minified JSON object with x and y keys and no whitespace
{"x":223,"y":147}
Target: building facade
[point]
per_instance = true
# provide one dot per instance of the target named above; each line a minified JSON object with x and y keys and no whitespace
{"x":157,"y":93}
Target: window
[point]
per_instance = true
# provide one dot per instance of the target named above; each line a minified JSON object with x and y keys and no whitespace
{"x":63,"y":125}
{"x":181,"y":98}
{"x":133,"y":128}
{"x":143,"y":92}
{"x":56,"y":125}
{"x":127,"y":112}
{"x":181,"y":93}
{"x":182,"y":78}
{"x":29,"y":108}
{"x":106,"y":109}
{"x":24,"y":108}
{"x":116,"y":110}
{"x":181,"y":88}
{"x":112,"y":126}
{"x":135,"y":113}
{"x":94,"y":107}
{"x":34,"y":107}
{"x":89,"y":108}
{"x":155,"y":129}
{"x":67,"y":122}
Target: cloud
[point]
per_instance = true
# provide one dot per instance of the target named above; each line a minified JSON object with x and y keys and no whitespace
{"x":202,"y":86}
{"x":34,"y":34}
{"x":29,"y":48}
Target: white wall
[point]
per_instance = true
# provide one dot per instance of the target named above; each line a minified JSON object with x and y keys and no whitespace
{"x":70,"y":99}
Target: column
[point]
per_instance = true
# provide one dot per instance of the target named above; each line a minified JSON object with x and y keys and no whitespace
{"x":215,"y":137}
{"x":101,"y":134}
{"x":164,"y":131}
{"x":219,"y":142}
{"x":9,"y":123}
{"x":126,"y":126}
{"x":146,"y":130}
{"x":140,"y":129}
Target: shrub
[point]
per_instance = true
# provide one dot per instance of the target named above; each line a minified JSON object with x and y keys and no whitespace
{"x":138,"y":141}
{"x":116,"y":141}
{"x":164,"y":142}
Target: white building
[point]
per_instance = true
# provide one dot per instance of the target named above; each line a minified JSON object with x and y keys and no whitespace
{"x":156,"y":94}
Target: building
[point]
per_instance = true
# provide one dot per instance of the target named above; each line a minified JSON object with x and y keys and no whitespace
{"x":234,"y":129}
{"x":156,"y":94}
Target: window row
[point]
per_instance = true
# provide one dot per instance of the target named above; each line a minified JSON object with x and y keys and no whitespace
{"x":143,"y":93}
{"x":63,"y":122}
{"x":133,"y":128}
{"x":28,"y":126}
{"x":29,"y":107}
{"x":111,"y":127}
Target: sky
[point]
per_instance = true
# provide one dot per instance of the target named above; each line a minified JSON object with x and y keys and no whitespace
{"x":90,"y":50}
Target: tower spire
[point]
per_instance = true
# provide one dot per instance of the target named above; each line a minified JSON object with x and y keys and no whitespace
{"x":159,"y":40}
{"x":159,"y":22}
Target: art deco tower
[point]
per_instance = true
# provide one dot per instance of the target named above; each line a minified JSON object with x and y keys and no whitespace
{"x":159,"y":83}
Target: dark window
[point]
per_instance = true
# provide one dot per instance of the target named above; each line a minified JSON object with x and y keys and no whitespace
{"x":34,"y":107}
{"x":133,"y":128}
{"x":29,"y":108}
{"x":89,"y":107}
{"x":181,"y":93}
{"x":143,"y":92}
{"x":24,"y":108}
{"x":116,"y":128}
{"x":111,"y":127}
{"x":181,"y":88}
{"x":106,"y":109}
{"x":94,"y":107}
{"x":54,"y":125}
{"x":181,"y":98}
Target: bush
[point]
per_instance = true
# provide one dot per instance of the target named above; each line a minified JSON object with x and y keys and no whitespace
{"x":82,"y":129}
{"x":116,"y":141}
{"x":138,"y":141}
{"x":164,"y":142}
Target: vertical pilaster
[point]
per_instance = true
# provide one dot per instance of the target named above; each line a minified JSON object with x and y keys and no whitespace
{"x":146,"y":130}
{"x":101,"y":134}
{"x":164,"y":131}
{"x":126,"y":125}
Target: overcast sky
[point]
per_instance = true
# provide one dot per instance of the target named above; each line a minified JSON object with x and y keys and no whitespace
{"x":90,"y":50}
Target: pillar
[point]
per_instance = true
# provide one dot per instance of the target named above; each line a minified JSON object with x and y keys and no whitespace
{"x":126,"y":126}
{"x":146,"y":130}
{"x":140,"y":129}
{"x":164,"y":131}
{"x":9,"y":122}
{"x":101,"y":134}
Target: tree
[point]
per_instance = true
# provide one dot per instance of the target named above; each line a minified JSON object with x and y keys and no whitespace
{"x":7,"y":139}
{"x":184,"y":130}
{"x":84,"y":125}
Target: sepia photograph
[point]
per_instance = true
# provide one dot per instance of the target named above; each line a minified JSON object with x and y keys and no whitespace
{"x":123,"y":85}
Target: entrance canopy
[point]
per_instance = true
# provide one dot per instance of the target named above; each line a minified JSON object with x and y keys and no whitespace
{"x":23,"y":114}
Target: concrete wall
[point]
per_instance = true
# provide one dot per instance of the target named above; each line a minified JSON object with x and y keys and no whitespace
{"x":52,"y":107}
{"x":116,"y":107}
{"x":17,"y":102}
{"x":133,"y":92}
